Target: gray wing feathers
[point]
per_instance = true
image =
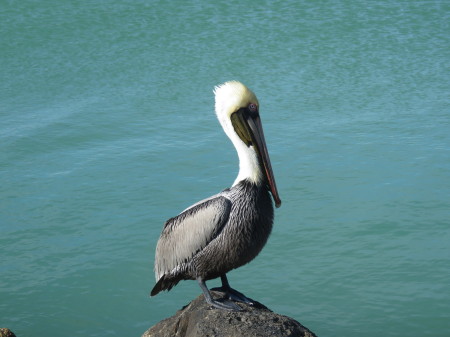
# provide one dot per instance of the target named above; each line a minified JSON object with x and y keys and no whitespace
{"x":186,"y":234}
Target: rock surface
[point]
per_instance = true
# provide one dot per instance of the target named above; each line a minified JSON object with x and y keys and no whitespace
{"x":198,"y":319}
{"x":4,"y":332}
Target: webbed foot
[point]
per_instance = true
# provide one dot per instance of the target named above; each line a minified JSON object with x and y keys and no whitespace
{"x":231,"y":293}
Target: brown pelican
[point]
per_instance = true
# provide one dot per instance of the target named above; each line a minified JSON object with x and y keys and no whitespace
{"x":229,"y":229}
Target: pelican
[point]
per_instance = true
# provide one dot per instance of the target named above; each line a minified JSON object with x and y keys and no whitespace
{"x":229,"y":229}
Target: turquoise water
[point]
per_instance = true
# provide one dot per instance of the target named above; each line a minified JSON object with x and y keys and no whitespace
{"x":107,"y":129}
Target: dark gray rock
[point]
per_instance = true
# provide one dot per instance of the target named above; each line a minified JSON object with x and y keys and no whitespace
{"x":198,"y":319}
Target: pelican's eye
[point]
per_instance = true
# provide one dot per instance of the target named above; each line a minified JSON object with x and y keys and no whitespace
{"x":252,"y":107}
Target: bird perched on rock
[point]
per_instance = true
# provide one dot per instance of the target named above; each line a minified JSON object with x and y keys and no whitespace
{"x":229,"y":229}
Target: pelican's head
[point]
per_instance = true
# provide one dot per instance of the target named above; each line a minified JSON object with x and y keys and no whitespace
{"x":237,"y":109}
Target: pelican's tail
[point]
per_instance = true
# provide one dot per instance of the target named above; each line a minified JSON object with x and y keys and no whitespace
{"x":166,"y":282}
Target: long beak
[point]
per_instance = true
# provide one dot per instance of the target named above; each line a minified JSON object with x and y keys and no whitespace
{"x":259,"y":142}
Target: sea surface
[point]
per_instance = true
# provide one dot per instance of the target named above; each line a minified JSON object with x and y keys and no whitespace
{"x":107,"y":129}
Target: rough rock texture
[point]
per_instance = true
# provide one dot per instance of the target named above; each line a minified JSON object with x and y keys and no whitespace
{"x":4,"y":332}
{"x":198,"y":319}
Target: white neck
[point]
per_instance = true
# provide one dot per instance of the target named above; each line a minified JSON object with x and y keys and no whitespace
{"x":248,"y":161}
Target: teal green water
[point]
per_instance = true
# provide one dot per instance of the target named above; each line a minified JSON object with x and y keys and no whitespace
{"x":107,"y":129}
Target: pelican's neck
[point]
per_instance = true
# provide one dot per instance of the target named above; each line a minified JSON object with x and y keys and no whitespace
{"x":249,"y":167}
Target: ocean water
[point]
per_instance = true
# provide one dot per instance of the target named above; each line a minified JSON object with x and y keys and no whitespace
{"x":107,"y":129}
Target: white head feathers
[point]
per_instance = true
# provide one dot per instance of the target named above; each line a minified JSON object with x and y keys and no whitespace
{"x":232,"y":95}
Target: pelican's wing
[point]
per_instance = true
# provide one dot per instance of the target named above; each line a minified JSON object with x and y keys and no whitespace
{"x":189,"y":232}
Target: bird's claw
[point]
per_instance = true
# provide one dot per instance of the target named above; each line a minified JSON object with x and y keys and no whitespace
{"x":225,"y":305}
{"x":234,"y":295}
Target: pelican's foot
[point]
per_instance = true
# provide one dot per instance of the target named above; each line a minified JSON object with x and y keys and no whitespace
{"x":225,"y":305}
{"x":233,"y":294}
